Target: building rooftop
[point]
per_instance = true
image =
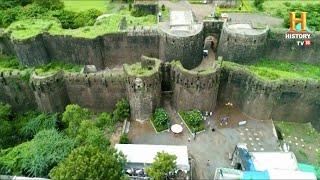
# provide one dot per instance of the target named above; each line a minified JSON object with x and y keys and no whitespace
{"x":145,"y":154}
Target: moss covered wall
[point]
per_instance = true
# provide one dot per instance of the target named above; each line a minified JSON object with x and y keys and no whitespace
{"x":278,"y":47}
{"x":297,"y":101}
{"x":108,"y":50}
{"x":97,"y":91}
{"x":16,"y":91}
{"x":194,"y":90}
{"x":144,"y":91}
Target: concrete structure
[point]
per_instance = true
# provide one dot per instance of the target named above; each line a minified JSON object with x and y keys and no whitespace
{"x":263,"y":165}
{"x":142,"y":155}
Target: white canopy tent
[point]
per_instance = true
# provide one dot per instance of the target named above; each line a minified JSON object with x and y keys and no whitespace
{"x":145,"y":154}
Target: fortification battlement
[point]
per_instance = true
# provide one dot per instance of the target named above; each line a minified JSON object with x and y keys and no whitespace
{"x":205,"y":79}
{"x":290,"y":85}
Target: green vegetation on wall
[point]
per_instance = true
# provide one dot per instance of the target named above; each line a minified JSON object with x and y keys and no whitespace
{"x":55,"y":67}
{"x":279,"y":70}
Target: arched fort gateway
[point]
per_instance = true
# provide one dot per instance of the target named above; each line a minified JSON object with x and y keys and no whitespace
{"x":167,"y":55}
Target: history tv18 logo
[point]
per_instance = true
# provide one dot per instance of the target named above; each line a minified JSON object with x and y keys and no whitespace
{"x":299,"y":30}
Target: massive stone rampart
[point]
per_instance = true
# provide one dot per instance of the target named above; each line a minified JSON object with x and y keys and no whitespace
{"x":187,"y":49}
{"x":144,"y":91}
{"x":97,"y":91}
{"x":278,"y":47}
{"x":108,"y":50}
{"x":242,"y":44}
{"x":291,"y":100}
{"x":194,"y":90}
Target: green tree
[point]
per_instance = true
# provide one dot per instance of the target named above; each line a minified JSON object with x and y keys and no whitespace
{"x":122,"y":110}
{"x":160,"y":117}
{"x":89,"y":134}
{"x":6,"y":134}
{"x":73,"y":116}
{"x":36,"y":124}
{"x":50,"y":4}
{"x":5,"y":111}
{"x":162,"y":165}
{"x":258,"y":4}
{"x":89,"y":162}
{"x":87,"y":18}
{"x":104,"y":119}
{"x":36,"y":157}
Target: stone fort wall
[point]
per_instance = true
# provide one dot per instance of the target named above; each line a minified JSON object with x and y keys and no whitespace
{"x":103,"y":51}
{"x":261,"y":99}
{"x":194,"y":90}
{"x":297,"y":101}
{"x":242,"y":48}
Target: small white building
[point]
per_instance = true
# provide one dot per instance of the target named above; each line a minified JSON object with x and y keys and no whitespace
{"x":142,"y":155}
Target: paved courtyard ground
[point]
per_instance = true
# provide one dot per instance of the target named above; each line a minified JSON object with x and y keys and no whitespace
{"x":208,"y":145}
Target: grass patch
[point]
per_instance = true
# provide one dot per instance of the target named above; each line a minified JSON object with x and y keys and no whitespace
{"x":303,"y":140}
{"x":193,"y":119}
{"x":55,"y":67}
{"x":160,"y":120}
{"x":279,"y":70}
{"x":138,"y":70}
{"x":28,"y":28}
{"x":9,"y":64}
{"x":82,"y":5}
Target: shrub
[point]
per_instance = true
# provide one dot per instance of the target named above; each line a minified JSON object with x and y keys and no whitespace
{"x":104,"y":119}
{"x":41,"y":122}
{"x":66,"y":18}
{"x":36,"y":157}
{"x":8,"y":16}
{"x":87,"y":18}
{"x":89,"y":134}
{"x":73,"y":116}
{"x":124,"y":139}
{"x":89,"y":162}
{"x":121,"y":111}
{"x":50,"y":4}
{"x":193,"y":119}
{"x":6,"y":133}
{"x":163,"y":7}
{"x":160,"y":119}
{"x":5,"y":111}
{"x":258,"y":4}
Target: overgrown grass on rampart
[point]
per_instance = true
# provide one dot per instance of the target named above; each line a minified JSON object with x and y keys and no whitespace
{"x":279,"y":70}
{"x":139,"y":71}
{"x":28,"y":28}
{"x":54,"y":67}
{"x":9,"y":64}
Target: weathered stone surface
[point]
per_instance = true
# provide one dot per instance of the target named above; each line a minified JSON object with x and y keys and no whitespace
{"x":289,"y":101}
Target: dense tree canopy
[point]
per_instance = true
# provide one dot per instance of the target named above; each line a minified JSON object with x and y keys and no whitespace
{"x":162,"y":165}
{"x":73,"y":116}
{"x":50,"y":4}
{"x":36,"y":157}
{"x":89,"y":162}
{"x":89,"y":134}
